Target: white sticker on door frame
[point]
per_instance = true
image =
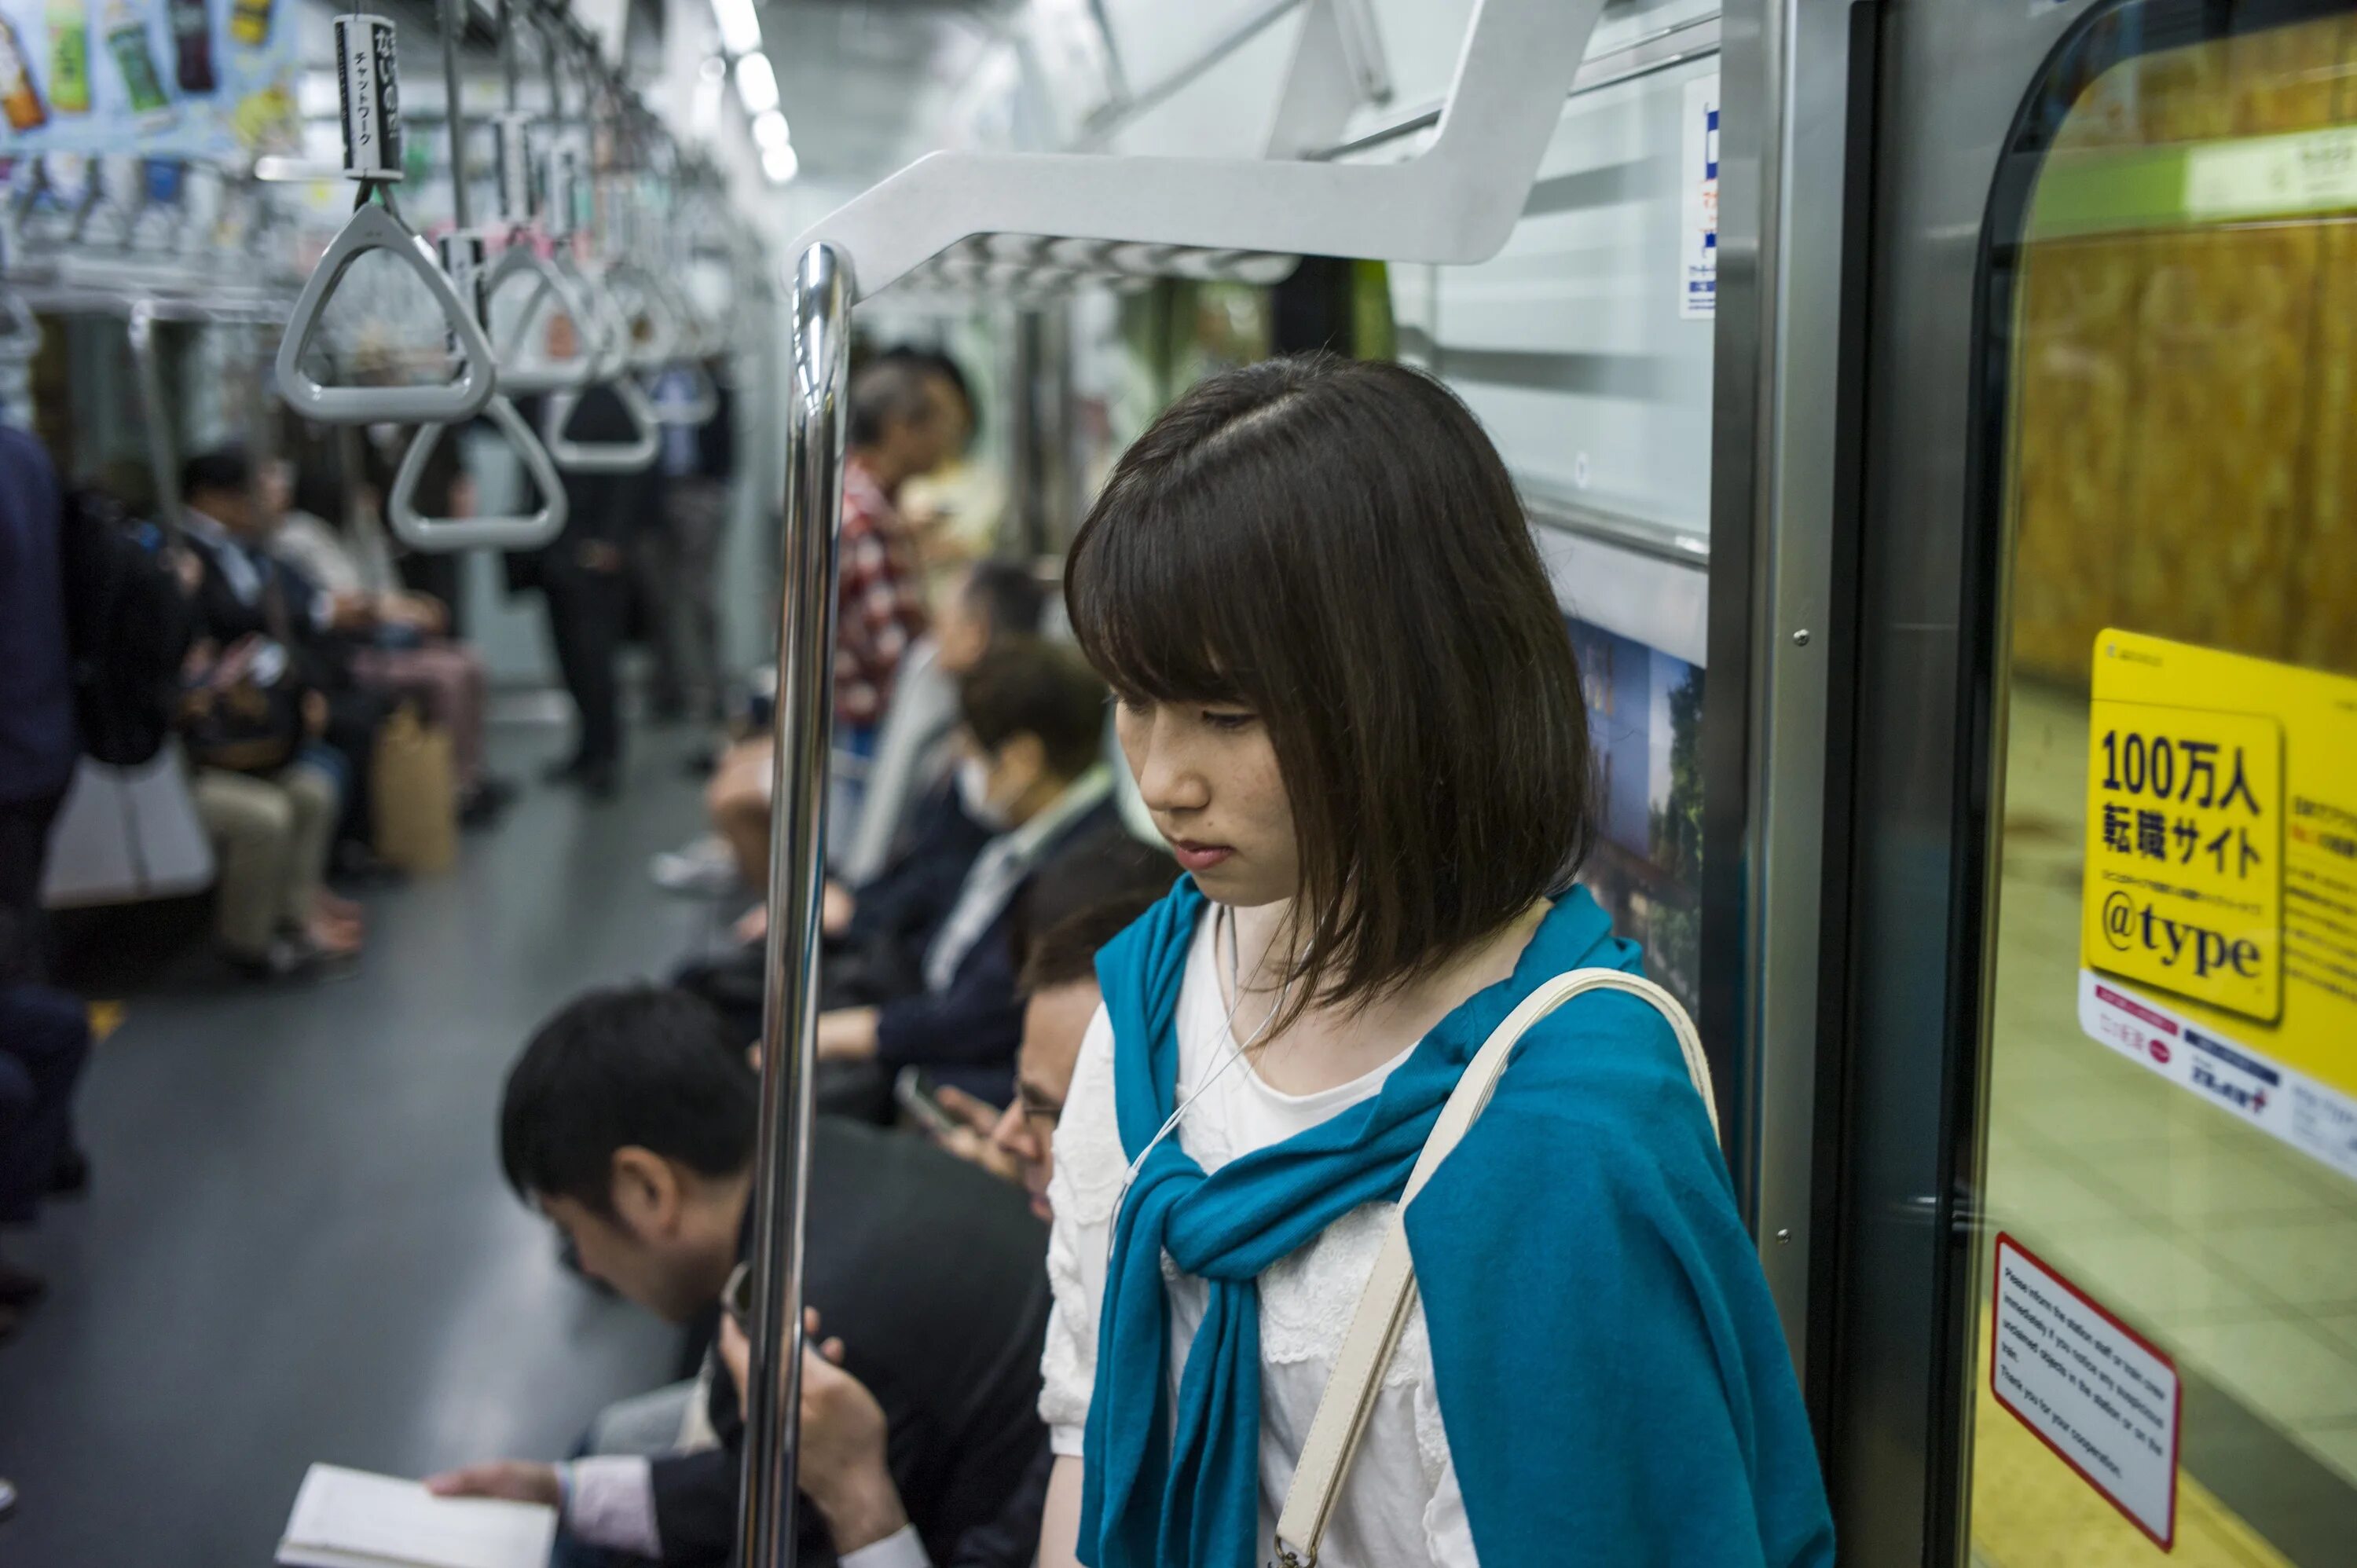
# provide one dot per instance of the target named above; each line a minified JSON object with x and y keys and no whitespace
{"x":1698,"y":202}
{"x":2100,"y":1395}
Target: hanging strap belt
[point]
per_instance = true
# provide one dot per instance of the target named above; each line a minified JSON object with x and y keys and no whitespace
{"x":1383,"y":1305}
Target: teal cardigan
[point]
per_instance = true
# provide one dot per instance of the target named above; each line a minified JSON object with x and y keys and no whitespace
{"x":1611,"y":1373}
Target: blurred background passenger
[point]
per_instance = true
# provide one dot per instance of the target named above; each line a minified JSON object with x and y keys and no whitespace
{"x":396,"y":639}
{"x":580,"y":576}
{"x":677,"y":553}
{"x":38,"y":740}
{"x":271,"y":779}
{"x":914,"y":752}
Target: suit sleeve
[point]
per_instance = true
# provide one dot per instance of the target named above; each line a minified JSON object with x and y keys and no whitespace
{"x":696,"y":1506}
{"x":976,"y":1022}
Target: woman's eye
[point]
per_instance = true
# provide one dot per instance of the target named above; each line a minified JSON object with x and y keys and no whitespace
{"x":1230,"y":721}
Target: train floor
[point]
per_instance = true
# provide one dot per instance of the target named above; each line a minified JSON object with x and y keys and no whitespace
{"x":298,"y":1245}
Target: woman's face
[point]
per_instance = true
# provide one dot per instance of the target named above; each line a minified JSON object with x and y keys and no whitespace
{"x":1209,"y":774}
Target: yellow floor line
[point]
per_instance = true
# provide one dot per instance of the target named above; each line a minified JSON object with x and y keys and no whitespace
{"x":2031,"y":1510}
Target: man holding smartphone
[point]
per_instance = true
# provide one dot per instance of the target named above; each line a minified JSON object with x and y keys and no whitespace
{"x":845,"y":1452}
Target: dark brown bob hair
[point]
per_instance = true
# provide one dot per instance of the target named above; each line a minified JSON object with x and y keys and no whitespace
{"x":1336,"y":545}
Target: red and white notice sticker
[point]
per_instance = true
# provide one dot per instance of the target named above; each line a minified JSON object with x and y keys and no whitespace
{"x":2093,"y":1390}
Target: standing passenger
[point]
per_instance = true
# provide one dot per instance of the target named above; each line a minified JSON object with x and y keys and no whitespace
{"x":39,"y":744}
{"x":580,"y":574}
{"x":899,"y":429}
{"x":1352,"y":709}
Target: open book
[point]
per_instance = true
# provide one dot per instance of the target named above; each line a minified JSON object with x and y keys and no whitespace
{"x":350,"y":1519}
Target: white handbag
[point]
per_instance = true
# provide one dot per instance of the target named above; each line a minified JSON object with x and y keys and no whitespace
{"x":1350,"y":1397}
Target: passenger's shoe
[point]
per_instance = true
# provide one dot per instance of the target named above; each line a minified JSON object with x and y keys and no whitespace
{"x":20,"y":1287}
{"x":705,"y":869}
{"x":479,"y":805}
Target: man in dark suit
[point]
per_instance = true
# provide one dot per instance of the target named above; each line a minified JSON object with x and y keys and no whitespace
{"x":580,"y":574}
{"x":1033,"y":774}
{"x":628,"y":1121}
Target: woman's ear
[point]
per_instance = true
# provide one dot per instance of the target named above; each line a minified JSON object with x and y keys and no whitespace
{"x":647,"y":1196}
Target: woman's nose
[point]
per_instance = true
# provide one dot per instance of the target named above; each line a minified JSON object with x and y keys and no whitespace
{"x":1168,"y":778}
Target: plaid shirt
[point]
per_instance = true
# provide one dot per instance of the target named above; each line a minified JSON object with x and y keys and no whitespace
{"x":878,"y":607}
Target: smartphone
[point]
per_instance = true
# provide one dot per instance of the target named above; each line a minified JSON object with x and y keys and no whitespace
{"x":914,"y":1092}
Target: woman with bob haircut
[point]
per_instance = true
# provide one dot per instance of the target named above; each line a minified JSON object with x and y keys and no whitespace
{"x":1352,"y":709}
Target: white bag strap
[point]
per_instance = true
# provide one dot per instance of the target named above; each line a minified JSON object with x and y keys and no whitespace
{"x":1381,"y":1314}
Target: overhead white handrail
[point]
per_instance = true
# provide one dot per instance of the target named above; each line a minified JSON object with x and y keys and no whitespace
{"x":372,"y":125}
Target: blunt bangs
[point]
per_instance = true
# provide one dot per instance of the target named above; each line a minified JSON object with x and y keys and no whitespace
{"x":1336,"y":545}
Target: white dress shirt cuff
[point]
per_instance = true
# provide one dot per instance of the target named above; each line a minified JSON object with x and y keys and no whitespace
{"x":610,"y":1501}
{"x":902,"y":1548}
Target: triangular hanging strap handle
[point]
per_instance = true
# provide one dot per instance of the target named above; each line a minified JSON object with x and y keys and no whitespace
{"x":631,"y":457}
{"x":1382,"y":1310}
{"x":702,"y":402}
{"x":518,"y":372}
{"x":374,"y":228}
{"x":510,"y":532}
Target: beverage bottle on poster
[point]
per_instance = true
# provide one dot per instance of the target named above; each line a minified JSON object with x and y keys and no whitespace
{"x":192,"y":38}
{"x":18,"y":96}
{"x":248,"y":22}
{"x":69,"y":57}
{"x":126,"y":40}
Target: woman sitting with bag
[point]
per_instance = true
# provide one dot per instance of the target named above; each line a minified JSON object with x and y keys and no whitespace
{"x":1353,"y":711}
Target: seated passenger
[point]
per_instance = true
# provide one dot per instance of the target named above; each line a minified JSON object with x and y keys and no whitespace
{"x":845,"y":1466}
{"x":629,"y":1122}
{"x":1073,"y":908}
{"x":1034,"y":722}
{"x":993,"y":600}
{"x":398,"y":639}
{"x":248,"y":597}
{"x":268,"y":790}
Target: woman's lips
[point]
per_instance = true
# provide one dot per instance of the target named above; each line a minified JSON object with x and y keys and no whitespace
{"x":1196,"y":857}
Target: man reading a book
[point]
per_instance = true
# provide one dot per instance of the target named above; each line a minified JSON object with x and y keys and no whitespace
{"x":629,"y":1122}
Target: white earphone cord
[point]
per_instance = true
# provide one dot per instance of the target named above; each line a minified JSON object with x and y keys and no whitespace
{"x":1235,"y":1054}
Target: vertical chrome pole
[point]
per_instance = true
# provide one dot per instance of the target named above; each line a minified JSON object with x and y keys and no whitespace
{"x":819,"y":369}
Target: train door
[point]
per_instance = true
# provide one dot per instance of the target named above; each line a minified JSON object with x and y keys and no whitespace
{"x":2094,"y":925}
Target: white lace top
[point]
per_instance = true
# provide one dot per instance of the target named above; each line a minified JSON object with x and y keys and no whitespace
{"x":1400,"y":1505}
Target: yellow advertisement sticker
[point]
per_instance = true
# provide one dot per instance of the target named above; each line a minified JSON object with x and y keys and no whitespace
{"x":2218,"y":939}
{"x":2184,"y":884}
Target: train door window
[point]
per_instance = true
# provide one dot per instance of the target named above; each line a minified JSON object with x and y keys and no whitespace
{"x":2163,"y":1334}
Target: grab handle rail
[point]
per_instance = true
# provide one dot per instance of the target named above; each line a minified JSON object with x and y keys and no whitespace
{"x":820,"y":370}
{"x":371,"y":126}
